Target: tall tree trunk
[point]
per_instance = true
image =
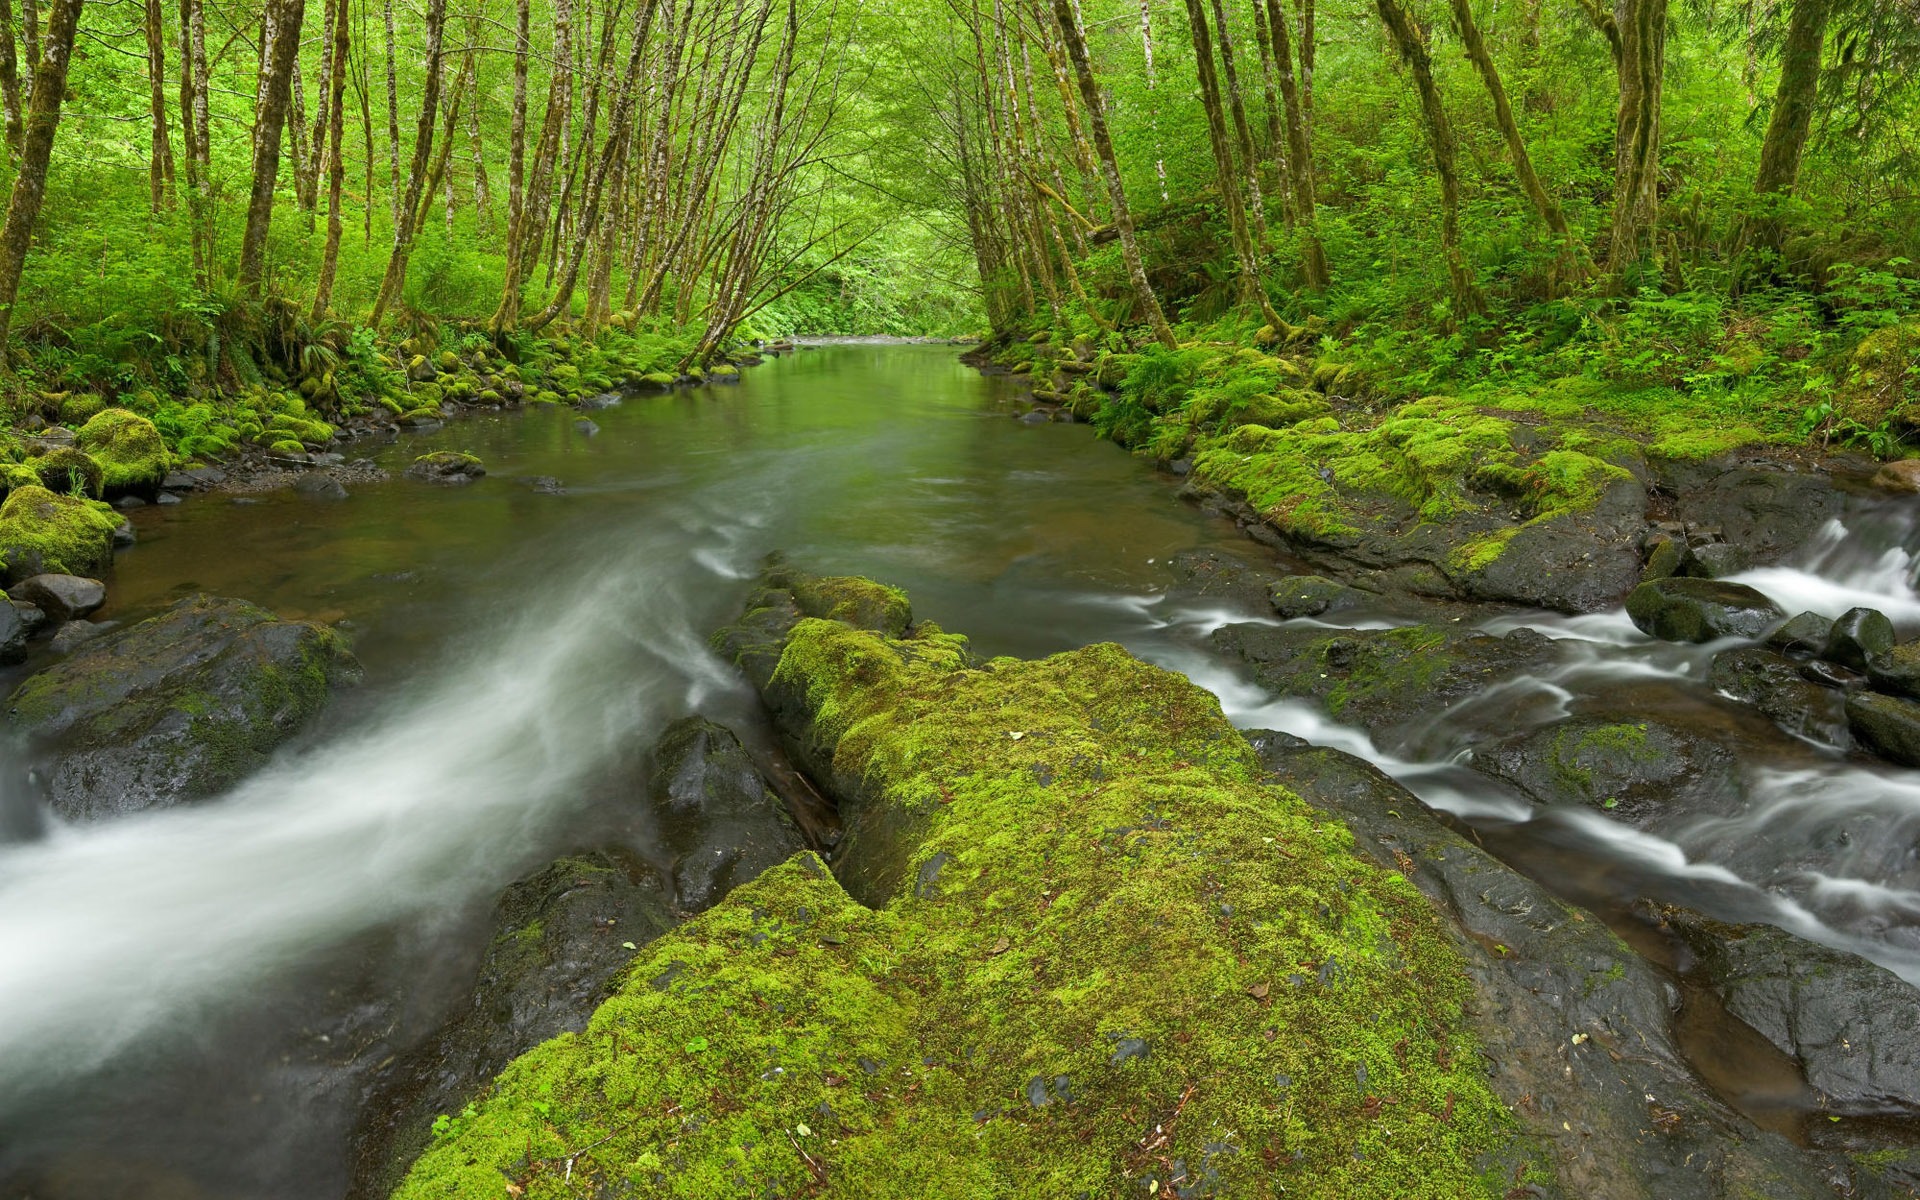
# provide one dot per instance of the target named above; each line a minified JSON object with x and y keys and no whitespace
{"x":1503,"y":116}
{"x":304,"y":188}
{"x":30,"y":185}
{"x":482,"y":194}
{"x":393,"y":126}
{"x":9,"y":79}
{"x":30,"y":31}
{"x":517,"y":134}
{"x":329,"y":64}
{"x":1309,"y":48}
{"x":1249,"y":171}
{"x":160,"y":160}
{"x":1412,"y":44}
{"x":396,"y":277}
{"x":1791,"y":119}
{"x":1153,"y":111}
{"x":193,"y":129}
{"x":1299,"y":151}
{"x":279,"y":46}
{"x":1251,"y":290}
{"x":1066,"y":16}
{"x":335,"y":108}
{"x":1276,"y":147}
{"x":524,"y":240}
{"x":1642,"y":33}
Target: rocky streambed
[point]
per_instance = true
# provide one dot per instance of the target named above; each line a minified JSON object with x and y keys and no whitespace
{"x":1339,"y":877}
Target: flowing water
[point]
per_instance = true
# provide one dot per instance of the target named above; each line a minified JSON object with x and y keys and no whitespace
{"x":180,"y":989}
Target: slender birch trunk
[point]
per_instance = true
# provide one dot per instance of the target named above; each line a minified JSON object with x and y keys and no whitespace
{"x":279,"y":46}
{"x":335,"y":102}
{"x":395,"y":279}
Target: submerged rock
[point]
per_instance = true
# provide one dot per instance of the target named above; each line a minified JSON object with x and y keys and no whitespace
{"x":1638,"y":769}
{"x":1775,"y":685}
{"x":1314,"y":596}
{"x":718,"y":817}
{"x":559,"y":939}
{"x":1391,"y":682}
{"x":177,"y":707}
{"x":1851,"y":1025}
{"x":446,"y":466}
{"x":61,"y":597}
{"x":1700,"y":610}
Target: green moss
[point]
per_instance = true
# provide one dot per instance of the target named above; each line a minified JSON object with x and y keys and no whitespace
{"x":77,"y":409}
{"x":860,"y":602}
{"x":129,"y":449}
{"x":287,"y":447}
{"x":658,"y":378}
{"x":1099,"y":945}
{"x":41,"y":532}
{"x":68,"y":470}
{"x":1481,"y":553}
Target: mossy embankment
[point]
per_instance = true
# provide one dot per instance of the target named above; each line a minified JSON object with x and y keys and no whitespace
{"x":1534,"y":494}
{"x":1084,"y":948}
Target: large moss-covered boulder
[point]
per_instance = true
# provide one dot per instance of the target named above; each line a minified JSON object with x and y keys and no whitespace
{"x":176,"y":707}
{"x":132,"y":457}
{"x":42,"y":533}
{"x":69,"y":471}
{"x":1099,"y":954}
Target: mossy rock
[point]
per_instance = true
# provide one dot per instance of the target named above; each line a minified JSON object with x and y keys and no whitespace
{"x":80,"y":407}
{"x":43,"y":533}
{"x":446,"y":466}
{"x":428,"y":395}
{"x":17,"y":475}
{"x":659,"y":379}
{"x":69,"y":470}
{"x":544,"y":396}
{"x":448,"y":362}
{"x":1087,"y":919}
{"x":1642,"y":770}
{"x":177,"y":707}
{"x":724,"y":371}
{"x":287,"y":448}
{"x":132,"y":455}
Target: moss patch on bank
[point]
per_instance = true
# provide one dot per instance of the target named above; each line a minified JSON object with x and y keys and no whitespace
{"x":1115,"y":962}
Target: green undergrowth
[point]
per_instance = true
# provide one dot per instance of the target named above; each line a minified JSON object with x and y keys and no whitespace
{"x":1113,"y":960}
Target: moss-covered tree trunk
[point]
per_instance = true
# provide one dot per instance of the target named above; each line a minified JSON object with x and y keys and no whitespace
{"x":1313,"y":259}
{"x":393,"y":123}
{"x":1791,"y":119}
{"x":30,"y":184}
{"x":1242,"y":131}
{"x":1251,"y":290}
{"x":336,"y":162}
{"x":1411,"y":42}
{"x":195,"y":135}
{"x":279,"y":47}
{"x":1641,"y":32}
{"x":9,"y":79}
{"x":1275,"y":151}
{"x":395,"y":278}
{"x":1482,"y":58}
{"x":316,"y":164}
{"x":160,"y":158}
{"x":1145,"y":301}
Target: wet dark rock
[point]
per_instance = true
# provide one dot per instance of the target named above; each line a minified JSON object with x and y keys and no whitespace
{"x":559,"y":939}
{"x":1853,"y":1026}
{"x":1034,"y":416}
{"x":1717,"y":560}
{"x":446,"y":467}
{"x":1575,"y":1027}
{"x":15,"y":629}
{"x":177,"y":707}
{"x":171,"y":498}
{"x":1898,"y":670}
{"x":1577,"y":562}
{"x":74,"y":634}
{"x":1765,"y":511}
{"x":1667,"y":556}
{"x":1211,"y":575}
{"x":61,"y":597}
{"x":1887,"y":725}
{"x":1858,"y":637}
{"x":129,"y":502}
{"x":1901,"y":478}
{"x":603,"y":400}
{"x":718,"y":818}
{"x":1774,"y":684}
{"x":1180,"y":466}
{"x":1802,"y":636}
{"x":1832,"y":675}
{"x":1393,"y":682}
{"x":584,"y":426}
{"x":1700,"y":610}
{"x":1315,"y":595}
{"x":1638,"y":769}
{"x":547,"y":485}
{"x":320,"y":486}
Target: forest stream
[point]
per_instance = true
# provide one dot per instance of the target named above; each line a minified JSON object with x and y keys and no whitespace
{"x":192,"y":997}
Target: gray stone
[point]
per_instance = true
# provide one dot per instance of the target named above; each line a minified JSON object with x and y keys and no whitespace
{"x":717,"y":816}
{"x":61,"y":597}
{"x":585,"y":426}
{"x":74,"y":634}
{"x":1802,"y":636}
{"x":1858,"y":637}
{"x":318,"y":485}
{"x":1638,"y":769}
{"x":1887,"y":725}
{"x":1773,"y":683}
